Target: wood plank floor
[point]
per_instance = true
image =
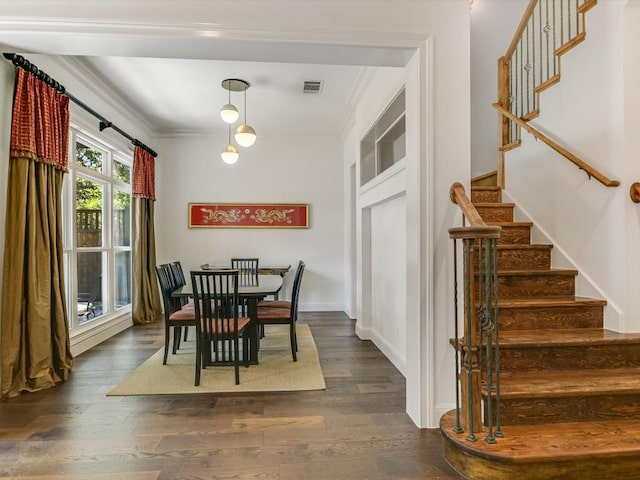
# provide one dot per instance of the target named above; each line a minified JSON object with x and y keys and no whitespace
{"x":355,"y":429}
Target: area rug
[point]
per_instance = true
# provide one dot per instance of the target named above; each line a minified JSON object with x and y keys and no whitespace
{"x":275,"y":372}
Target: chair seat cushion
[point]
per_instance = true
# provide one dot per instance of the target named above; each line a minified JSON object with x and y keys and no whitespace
{"x":183,"y":315}
{"x":274,"y":304}
{"x":227,"y":327}
{"x":274,"y":313}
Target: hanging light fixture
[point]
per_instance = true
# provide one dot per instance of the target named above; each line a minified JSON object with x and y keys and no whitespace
{"x":245,"y":134}
{"x":230,"y":153}
{"x":229,"y":112}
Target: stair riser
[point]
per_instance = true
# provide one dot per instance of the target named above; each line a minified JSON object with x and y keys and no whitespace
{"x":536,"y":411}
{"x":486,"y":196}
{"x":550,"y":318}
{"x":572,"y":357}
{"x":512,"y":234}
{"x":517,"y":234}
{"x":521,"y":259}
{"x":498,"y":213}
{"x":534,"y":285}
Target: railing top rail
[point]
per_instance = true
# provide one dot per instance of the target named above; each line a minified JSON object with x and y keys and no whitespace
{"x":589,"y":170}
{"x":521,"y":27}
{"x":477,"y":227}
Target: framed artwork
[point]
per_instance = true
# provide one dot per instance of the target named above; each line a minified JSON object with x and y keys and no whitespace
{"x":248,"y":215}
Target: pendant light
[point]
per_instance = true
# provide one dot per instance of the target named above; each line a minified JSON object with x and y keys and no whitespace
{"x":229,"y":112}
{"x":230,"y":153}
{"x":245,"y":134}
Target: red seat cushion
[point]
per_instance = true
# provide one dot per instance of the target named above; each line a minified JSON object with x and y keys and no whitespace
{"x":273,"y":313}
{"x":274,"y":304}
{"x":183,"y":315}
{"x":227,"y":327}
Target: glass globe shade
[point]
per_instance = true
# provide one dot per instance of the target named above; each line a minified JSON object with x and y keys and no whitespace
{"x":229,"y":113}
{"x":245,"y":135}
{"x":230,"y":154}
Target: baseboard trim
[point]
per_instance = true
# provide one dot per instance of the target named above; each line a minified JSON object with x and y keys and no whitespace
{"x":88,"y":339}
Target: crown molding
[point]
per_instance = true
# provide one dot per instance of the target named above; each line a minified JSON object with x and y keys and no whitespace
{"x":98,"y":87}
{"x":329,"y":36}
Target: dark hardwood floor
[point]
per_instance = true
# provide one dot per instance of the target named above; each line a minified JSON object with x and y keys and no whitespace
{"x":355,"y":429}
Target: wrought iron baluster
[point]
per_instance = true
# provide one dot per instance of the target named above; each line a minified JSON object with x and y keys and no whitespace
{"x":458,"y":426}
{"x":494,"y":286}
{"x":471,"y":437}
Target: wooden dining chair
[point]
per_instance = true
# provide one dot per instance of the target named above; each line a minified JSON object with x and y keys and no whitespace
{"x":176,"y":315}
{"x":269,"y":315}
{"x":247,"y":268}
{"x":283,"y":303}
{"x":215,"y":298}
{"x":179,"y":280}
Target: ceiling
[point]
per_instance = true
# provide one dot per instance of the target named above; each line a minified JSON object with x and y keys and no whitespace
{"x":179,"y":96}
{"x":176,"y":89}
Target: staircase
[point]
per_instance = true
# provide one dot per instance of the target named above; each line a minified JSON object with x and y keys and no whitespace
{"x":570,"y":389}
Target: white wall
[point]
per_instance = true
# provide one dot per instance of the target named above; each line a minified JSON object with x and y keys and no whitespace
{"x":376,"y":249}
{"x":493,"y":23}
{"x":585,"y":113}
{"x":389,"y":278}
{"x":631,"y":60}
{"x":276,"y":169}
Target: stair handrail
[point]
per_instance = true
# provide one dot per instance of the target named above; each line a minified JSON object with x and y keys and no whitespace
{"x":521,"y":28}
{"x":479,"y":348}
{"x":581,"y":164}
{"x":459,"y":197}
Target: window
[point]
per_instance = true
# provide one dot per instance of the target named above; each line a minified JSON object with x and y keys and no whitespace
{"x":96,"y":231}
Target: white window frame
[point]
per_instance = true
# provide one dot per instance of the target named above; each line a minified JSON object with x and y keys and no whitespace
{"x":108,"y":249}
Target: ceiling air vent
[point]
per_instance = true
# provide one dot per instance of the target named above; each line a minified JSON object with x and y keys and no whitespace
{"x":312,"y":86}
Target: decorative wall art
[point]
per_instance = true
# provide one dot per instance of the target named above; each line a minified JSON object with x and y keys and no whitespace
{"x":248,"y":215}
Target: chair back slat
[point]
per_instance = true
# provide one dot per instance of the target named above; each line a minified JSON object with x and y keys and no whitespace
{"x":248,"y":270}
{"x":215,"y":295}
{"x":178,"y":274}
{"x":167,"y":286}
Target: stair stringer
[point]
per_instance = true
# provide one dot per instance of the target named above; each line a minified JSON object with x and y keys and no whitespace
{"x":585,"y":285}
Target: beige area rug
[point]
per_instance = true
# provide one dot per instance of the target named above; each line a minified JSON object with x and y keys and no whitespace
{"x":276,"y":372}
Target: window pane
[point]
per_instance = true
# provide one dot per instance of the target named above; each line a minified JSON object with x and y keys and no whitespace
{"x":121,"y":218}
{"x":89,"y":267}
{"x":121,"y":172}
{"x":88,"y":213}
{"x":123,"y":279}
{"x":89,"y":157}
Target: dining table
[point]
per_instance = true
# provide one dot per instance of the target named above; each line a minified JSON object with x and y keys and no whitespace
{"x":267,"y":285}
{"x":282,"y":271}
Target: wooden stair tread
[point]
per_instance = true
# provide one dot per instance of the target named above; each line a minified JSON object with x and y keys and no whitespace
{"x":572,"y":336}
{"x":550,"y":272}
{"x":510,"y":224}
{"x":556,"y":442}
{"x":522,"y":246}
{"x":494,"y":205}
{"x":588,"y":382}
{"x":548,"y":302}
{"x":486,"y":188}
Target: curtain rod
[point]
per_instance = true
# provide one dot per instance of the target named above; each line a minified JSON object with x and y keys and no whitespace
{"x":20,"y":61}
